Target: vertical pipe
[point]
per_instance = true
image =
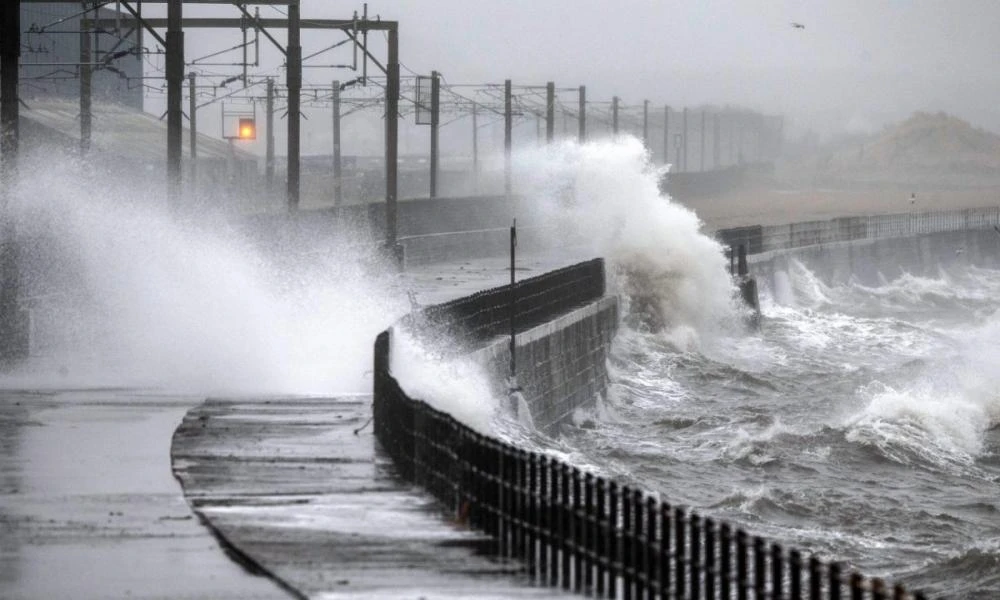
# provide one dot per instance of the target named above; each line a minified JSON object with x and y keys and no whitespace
{"x":193,"y":118}
{"x":11,"y":345}
{"x":815,"y":579}
{"x":435,"y":122}
{"x":86,"y":77}
{"x":684,"y":140}
{"x":759,"y":569}
{"x":269,"y":144}
{"x":583,"y":114}
{"x":614,"y":116}
{"x":294,"y":84}
{"x":175,"y":80}
{"x":508,"y":122}
{"x":391,"y":137}
{"x":338,"y":182}
{"x":795,"y":581}
{"x":550,"y":112}
{"x":834,"y":577}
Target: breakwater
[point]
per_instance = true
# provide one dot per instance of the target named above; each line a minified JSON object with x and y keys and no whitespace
{"x":566,"y":527}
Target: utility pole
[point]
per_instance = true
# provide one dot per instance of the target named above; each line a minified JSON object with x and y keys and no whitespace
{"x":175,"y":116}
{"x":684,"y":134}
{"x":391,"y":139}
{"x":475,"y":145}
{"x":716,"y":150}
{"x":645,"y":124}
{"x":583,"y":114}
{"x":614,"y":116}
{"x":508,"y":122}
{"x":701,"y":147}
{"x":550,"y":112}
{"x":269,"y":142}
{"x":666,"y":134}
{"x":294,"y":84}
{"x":435,"y":123}
{"x":193,"y":118}
{"x":86,"y":73}
{"x":338,"y":198}
{"x":13,"y":343}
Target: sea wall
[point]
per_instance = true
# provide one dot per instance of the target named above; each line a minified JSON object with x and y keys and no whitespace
{"x":872,"y":249}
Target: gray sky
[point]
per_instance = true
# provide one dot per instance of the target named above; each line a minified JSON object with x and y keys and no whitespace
{"x":856,"y":65}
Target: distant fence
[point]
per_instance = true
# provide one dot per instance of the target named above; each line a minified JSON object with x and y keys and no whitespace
{"x":764,"y":238}
{"x":574,"y":530}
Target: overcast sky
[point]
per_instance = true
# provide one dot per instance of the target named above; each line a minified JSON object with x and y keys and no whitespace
{"x":856,"y":65}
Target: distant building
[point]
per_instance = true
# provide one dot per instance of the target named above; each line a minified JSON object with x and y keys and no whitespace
{"x":50,"y":55}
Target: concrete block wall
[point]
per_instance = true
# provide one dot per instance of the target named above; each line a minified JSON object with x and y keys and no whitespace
{"x":561,"y":364}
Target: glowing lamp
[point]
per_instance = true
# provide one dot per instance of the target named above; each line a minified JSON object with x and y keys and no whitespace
{"x":247,"y":129}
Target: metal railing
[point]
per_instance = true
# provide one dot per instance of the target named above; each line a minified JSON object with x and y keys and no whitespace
{"x":765,"y":238}
{"x":577,"y":531}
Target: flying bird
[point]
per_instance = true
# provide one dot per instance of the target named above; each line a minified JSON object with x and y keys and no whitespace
{"x":798,"y":25}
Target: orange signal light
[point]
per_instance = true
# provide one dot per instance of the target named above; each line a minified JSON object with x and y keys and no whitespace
{"x":247,"y":129}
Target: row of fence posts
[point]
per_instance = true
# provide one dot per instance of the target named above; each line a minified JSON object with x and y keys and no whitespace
{"x":580,"y":532}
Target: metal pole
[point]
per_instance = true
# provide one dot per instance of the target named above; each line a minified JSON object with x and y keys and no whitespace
{"x":269,"y":142}
{"x":175,"y":116}
{"x":12,"y":344}
{"x":294,"y":84}
{"x":550,"y":112}
{"x":614,"y":116}
{"x":435,"y":122}
{"x":583,"y":114}
{"x":86,"y":73}
{"x":684,"y":135}
{"x":513,"y":308}
{"x":666,"y":134}
{"x":645,"y":124}
{"x":701,"y":147}
{"x":716,"y":149}
{"x":337,"y":173}
{"x":391,"y":136}
{"x":475,"y":144}
{"x":193,"y":118}
{"x":508,"y":122}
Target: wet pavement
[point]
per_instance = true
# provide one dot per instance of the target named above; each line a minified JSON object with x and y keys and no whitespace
{"x":289,"y":483}
{"x":89,"y":507}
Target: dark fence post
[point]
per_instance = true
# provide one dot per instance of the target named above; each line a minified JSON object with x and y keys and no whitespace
{"x":857,"y":583}
{"x":742,"y":574}
{"x":601,"y":537}
{"x":577,"y":532}
{"x":795,"y":564}
{"x":566,"y":513}
{"x":555,"y":525}
{"x":590,"y":531}
{"x":710,"y":570}
{"x":695,"y":522}
{"x":649,"y":551}
{"x":533,"y":513}
{"x":759,"y":570}
{"x":815,"y":579}
{"x":637,"y":560}
{"x":679,"y":552}
{"x":777,"y":572}
{"x":725,"y":560}
{"x":628,"y":568}
{"x":666,"y":563}
{"x":544,"y":524}
{"x":614,"y":537}
{"x":834,"y":576}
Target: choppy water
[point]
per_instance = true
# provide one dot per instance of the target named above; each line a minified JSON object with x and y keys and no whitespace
{"x":860,"y":423}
